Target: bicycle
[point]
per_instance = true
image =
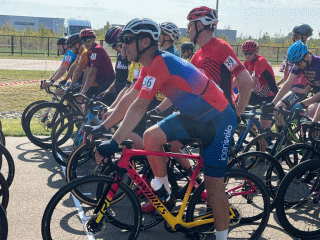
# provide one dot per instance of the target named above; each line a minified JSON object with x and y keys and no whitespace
{"x":7,"y":166}
{"x":242,"y":188}
{"x":3,"y":224}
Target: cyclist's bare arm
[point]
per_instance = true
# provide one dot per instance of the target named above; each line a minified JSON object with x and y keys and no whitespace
{"x":120,"y":95}
{"x":111,"y":88}
{"x":286,"y":69}
{"x":133,"y":116}
{"x":90,"y":78}
{"x":285,"y":88}
{"x":164,"y":105}
{"x":120,"y":110}
{"x":311,"y":100}
{"x":76,"y":74}
{"x":60,"y":72}
{"x":301,"y":90}
{"x":71,"y":70}
{"x":245,"y":86}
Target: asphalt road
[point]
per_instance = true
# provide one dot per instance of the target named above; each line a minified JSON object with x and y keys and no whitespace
{"x":36,"y":180}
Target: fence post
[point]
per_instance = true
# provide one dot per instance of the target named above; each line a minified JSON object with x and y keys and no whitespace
{"x":12,"y":48}
{"x":278,"y":55}
{"x":21,"y":45}
{"x":48,"y":46}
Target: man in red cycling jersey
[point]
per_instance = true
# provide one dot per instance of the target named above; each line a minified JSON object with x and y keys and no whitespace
{"x":99,"y":73}
{"x":216,"y":58}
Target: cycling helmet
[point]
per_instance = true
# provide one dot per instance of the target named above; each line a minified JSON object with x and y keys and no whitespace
{"x":186,"y":46}
{"x":87,"y":33}
{"x":207,"y":16}
{"x":249,"y":46}
{"x":62,"y":41}
{"x":297,"y":51}
{"x":171,"y":30}
{"x":143,"y":26}
{"x":121,"y":37}
{"x":73,"y":39}
{"x":303,"y":29}
{"x":112,"y":35}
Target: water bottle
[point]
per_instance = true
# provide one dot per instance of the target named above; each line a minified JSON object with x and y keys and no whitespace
{"x":161,"y":191}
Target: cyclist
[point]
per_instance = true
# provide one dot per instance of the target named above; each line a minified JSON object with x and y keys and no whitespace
{"x":187,"y":50}
{"x":77,"y":68}
{"x":216,"y":58}
{"x":113,"y":37}
{"x":169,"y":34}
{"x":204,"y":113}
{"x":99,"y":73}
{"x":299,"y":89}
{"x":308,"y":65}
{"x":68,"y":59}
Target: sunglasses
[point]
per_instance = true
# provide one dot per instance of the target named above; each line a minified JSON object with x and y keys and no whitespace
{"x":128,"y":39}
{"x":300,"y":62}
{"x":248,"y":53}
{"x":88,"y":40}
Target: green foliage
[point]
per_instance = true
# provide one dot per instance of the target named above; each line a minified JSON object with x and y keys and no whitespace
{"x":101,"y":31}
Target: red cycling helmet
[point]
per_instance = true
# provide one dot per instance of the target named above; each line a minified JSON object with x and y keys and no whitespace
{"x":249,"y":46}
{"x":87,"y":33}
{"x":207,"y":16}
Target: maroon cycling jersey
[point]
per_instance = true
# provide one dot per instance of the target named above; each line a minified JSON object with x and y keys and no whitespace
{"x":98,"y":58}
{"x":219,"y":62}
{"x":261,"y":68}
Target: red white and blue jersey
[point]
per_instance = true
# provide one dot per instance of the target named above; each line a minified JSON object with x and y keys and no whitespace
{"x":190,"y":90}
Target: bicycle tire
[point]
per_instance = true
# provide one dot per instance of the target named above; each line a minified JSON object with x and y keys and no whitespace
{"x":265,"y":167}
{"x":56,"y":222}
{"x":4,"y":192}
{"x":7,"y":166}
{"x":3,"y":224}
{"x":2,"y":138}
{"x":27,"y":110}
{"x":269,"y":135}
{"x":63,"y":121}
{"x":66,"y":140}
{"x":38,"y":128}
{"x":295,"y":208}
{"x":240,"y":204}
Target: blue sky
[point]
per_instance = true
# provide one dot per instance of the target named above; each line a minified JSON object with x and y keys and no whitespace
{"x":249,"y":17}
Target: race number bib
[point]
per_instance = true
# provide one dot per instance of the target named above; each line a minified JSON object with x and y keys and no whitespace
{"x":136,"y":73}
{"x":93,"y":56}
{"x":68,"y":58}
{"x":148,"y":83}
{"x":231,"y":63}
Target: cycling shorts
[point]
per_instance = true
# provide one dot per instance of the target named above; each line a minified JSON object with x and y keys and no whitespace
{"x":257,"y":100}
{"x":215,"y":134}
{"x":292,"y":98}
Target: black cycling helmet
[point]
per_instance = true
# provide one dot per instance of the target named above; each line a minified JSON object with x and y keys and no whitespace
{"x":302,"y":29}
{"x":62,"y":41}
{"x":112,"y":35}
{"x":121,"y":37}
{"x":186,"y":46}
{"x":73,"y":39}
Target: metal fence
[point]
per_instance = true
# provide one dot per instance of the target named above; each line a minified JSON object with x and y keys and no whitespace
{"x":48,"y":45}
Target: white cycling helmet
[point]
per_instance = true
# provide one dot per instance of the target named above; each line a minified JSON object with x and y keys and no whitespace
{"x":171,"y":30}
{"x":143,"y":25}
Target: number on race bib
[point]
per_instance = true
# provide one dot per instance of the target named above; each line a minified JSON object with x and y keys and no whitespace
{"x":230,"y":63}
{"x":148,"y":83}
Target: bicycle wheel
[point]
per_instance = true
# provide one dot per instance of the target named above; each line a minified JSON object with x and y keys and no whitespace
{"x":7,"y":166}
{"x":298,"y":201}
{"x":246,"y":207}
{"x":66,"y":140}
{"x":67,"y":217}
{"x":263,"y":166}
{"x":40,"y":121}
{"x":270,"y":138}
{"x":2,"y":138}
{"x":292,"y":155}
{"x":27,"y":110}
{"x":3,"y":224}
{"x":4,"y":192}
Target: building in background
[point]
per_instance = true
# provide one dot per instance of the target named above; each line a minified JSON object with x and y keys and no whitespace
{"x":35,"y":23}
